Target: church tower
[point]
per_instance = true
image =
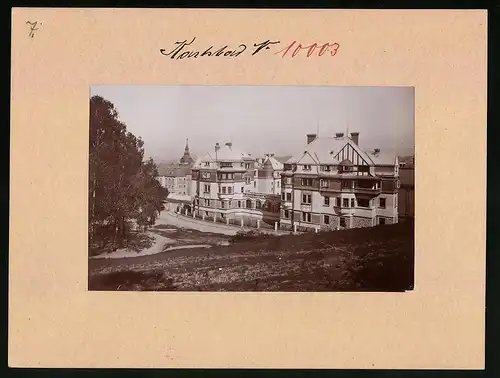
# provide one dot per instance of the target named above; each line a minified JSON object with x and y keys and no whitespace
{"x":186,"y":158}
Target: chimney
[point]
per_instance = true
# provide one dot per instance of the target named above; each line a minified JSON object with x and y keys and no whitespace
{"x":217,"y":147}
{"x":310,"y":138}
{"x":355,"y":138}
{"x":229,"y":144}
{"x":339,"y":135}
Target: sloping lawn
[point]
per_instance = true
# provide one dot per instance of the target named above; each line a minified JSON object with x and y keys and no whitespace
{"x":370,"y":259}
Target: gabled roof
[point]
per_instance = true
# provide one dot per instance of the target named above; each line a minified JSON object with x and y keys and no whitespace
{"x":173,"y":170}
{"x":225,"y":153}
{"x":282,"y":159}
{"x":326,"y":150}
{"x":322,"y":151}
{"x":272,"y":162}
{"x":382,"y":157}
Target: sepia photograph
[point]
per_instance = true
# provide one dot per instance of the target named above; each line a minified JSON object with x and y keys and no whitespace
{"x":251,"y":188}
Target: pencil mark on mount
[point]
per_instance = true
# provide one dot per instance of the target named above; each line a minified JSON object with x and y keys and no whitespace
{"x":33,"y":28}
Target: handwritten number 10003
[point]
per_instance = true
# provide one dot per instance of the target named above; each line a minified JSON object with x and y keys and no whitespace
{"x":311,"y":49}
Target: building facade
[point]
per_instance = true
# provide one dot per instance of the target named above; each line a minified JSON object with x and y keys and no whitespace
{"x":406,"y":193}
{"x":228,"y":184}
{"x":334,"y":184}
{"x":176,"y":177}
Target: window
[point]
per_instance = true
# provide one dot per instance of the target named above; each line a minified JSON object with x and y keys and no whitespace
{"x":353,"y":203}
{"x":206,"y":189}
{"x":306,"y":182}
{"x":283,"y":196}
{"x":254,"y":183}
{"x":223,"y":190}
{"x":288,"y":180}
{"x":207,"y":164}
{"x":289,"y":196}
{"x":346,"y":168}
{"x":226,"y":165}
{"x":363,"y":202}
{"x":323,"y":183}
{"x":287,"y":167}
{"x":287,"y":214}
{"x":247,"y":165}
{"x":306,"y":217}
{"x":249,"y":204}
{"x":337,"y":201}
{"x":346,"y":184}
{"x":326,"y":219}
{"x":343,"y":223}
{"x":229,"y":190}
{"x":306,"y":198}
{"x":381,"y":203}
{"x":223,"y":204}
{"x":326,"y":201}
{"x":205,"y":175}
{"x":381,"y":220}
{"x":224,"y":176}
{"x":258,"y":205}
{"x":239,"y":203}
{"x":278,"y":184}
{"x":345,"y":202}
{"x":326,"y":168}
{"x":242,"y":189}
{"x":398,"y":184}
{"x":247,"y":180}
{"x":307,"y":167}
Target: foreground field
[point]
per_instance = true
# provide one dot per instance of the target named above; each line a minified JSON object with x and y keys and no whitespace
{"x":372,"y":259}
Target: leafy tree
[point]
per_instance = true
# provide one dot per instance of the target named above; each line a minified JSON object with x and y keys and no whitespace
{"x":122,"y":187}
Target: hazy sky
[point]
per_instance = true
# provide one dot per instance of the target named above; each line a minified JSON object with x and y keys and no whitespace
{"x":259,"y":120}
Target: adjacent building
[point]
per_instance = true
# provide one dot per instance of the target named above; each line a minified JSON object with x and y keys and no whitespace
{"x":176,"y":177}
{"x":335,"y":184}
{"x":231,"y":185}
{"x":406,"y":193}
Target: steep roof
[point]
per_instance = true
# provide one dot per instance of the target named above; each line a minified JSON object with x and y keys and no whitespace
{"x":225,"y":153}
{"x":282,"y":159}
{"x":173,"y":170}
{"x":325,"y":151}
{"x":273,"y":163}
{"x":322,"y":151}
{"x":382,"y":157}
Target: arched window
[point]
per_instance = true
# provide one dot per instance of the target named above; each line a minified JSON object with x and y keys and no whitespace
{"x":249,"y":204}
{"x":258,"y":204}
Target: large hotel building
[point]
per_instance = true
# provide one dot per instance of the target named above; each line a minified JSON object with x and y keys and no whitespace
{"x":334,"y":184}
{"x":230,"y":185}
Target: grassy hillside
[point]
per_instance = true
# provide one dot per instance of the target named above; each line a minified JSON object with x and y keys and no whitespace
{"x":372,"y":259}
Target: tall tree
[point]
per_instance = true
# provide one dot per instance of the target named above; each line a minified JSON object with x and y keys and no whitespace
{"x":121,"y":186}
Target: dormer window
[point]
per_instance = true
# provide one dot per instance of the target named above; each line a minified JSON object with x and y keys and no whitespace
{"x":326,"y":168}
{"x":207,"y":164}
{"x":307,"y":167}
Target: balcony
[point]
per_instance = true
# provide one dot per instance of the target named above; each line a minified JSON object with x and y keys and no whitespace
{"x":226,"y":196}
{"x":329,"y":189}
{"x":361,"y":190}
